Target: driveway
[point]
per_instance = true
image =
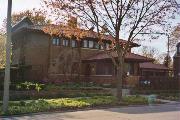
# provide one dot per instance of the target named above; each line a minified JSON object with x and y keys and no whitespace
{"x":156,"y":112}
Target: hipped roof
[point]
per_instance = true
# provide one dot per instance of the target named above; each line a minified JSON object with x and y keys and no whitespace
{"x":128,"y":56}
{"x":62,"y":29}
{"x":150,"y":65}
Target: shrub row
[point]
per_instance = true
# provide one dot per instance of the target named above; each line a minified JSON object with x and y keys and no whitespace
{"x":24,"y":95}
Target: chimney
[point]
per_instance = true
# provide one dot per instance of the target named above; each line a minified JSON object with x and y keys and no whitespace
{"x":72,"y":22}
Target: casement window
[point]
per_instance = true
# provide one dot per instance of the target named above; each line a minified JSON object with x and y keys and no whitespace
{"x":74,"y":43}
{"x":56,"y":41}
{"x":129,"y":68}
{"x":91,"y":44}
{"x":96,"y":45}
{"x":104,"y":68}
{"x":65,"y":42}
{"x":85,"y":43}
{"x":107,"y":46}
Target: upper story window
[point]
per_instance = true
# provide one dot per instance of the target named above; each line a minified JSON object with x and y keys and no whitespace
{"x":56,"y":41}
{"x":96,"y":45}
{"x":65,"y":42}
{"x":74,"y":43}
{"x":91,"y":44}
{"x":85,"y":43}
{"x":107,"y":45}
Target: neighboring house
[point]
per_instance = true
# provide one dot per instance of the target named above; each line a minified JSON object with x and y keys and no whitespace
{"x":177,"y":62}
{"x":153,"y":70}
{"x":49,"y":57}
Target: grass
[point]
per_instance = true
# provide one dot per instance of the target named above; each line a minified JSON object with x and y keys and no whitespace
{"x":30,"y":106}
{"x":41,"y":105}
{"x":170,"y":96}
{"x":133,"y":100}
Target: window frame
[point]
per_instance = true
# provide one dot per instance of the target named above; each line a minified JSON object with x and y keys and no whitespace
{"x":90,"y":42}
{"x":65,"y":42}
{"x":108,"y":68}
{"x":96,"y":45}
{"x":56,"y":41}
{"x":87,"y":44}
{"x":75,"y":43}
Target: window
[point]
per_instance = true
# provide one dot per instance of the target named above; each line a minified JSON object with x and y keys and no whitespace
{"x":107,"y":45}
{"x":74,"y":43}
{"x":91,"y":44}
{"x":96,"y":45}
{"x":85,"y":43}
{"x":56,"y":41}
{"x":65,"y":42}
{"x":104,"y":69}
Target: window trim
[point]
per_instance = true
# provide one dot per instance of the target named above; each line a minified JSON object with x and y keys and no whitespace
{"x":96,"y":45}
{"x":75,"y":43}
{"x":56,"y":41}
{"x":87,"y":44}
{"x":65,"y":42}
{"x":92,"y":43}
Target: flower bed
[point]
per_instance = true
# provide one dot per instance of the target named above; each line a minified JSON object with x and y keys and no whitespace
{"x":41,"y":105}
{"x":30,"y":106}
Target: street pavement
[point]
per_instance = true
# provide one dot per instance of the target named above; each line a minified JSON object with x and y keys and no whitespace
{"x":153,"y":112}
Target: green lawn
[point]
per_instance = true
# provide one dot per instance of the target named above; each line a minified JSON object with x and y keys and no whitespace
{"x":31,"y":106}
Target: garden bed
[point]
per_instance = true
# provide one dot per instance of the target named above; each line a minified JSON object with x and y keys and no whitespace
{"x":169,"y":96}
{"x":29,"y":90}
{"x":42,"y":105}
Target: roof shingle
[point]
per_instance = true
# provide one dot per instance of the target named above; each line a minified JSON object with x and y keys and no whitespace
{"x":129,"y":56}
{"x":150,"y":65}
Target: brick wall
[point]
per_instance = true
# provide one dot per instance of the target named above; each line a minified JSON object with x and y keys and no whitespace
{"x":32,"y":49}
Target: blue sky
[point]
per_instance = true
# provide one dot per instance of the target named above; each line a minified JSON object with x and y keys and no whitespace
{"x":20,"y":5}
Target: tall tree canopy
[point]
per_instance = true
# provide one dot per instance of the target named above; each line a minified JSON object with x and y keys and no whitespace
{"x":115,"y":17}
{"x":2,"y":51}
{"x":149,"y":52}
{"x":175,"y":37}
{"x":36,"y":16}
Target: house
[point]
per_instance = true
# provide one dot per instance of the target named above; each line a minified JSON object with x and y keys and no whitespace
{"x":177,"y":62}
{"x":50,"y":57}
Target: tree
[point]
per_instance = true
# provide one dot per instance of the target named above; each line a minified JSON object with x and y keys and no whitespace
{"x":168,"y":61}
{"x":149,"y":52}
{"x":153,"y":53}
{"x":36,"y":16}
{"x":119,"y":16}
{"x":175,"y":37}
{"x":2,"y":51}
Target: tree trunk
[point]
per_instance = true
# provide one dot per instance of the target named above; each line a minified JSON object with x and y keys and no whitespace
{"x":119,"y":76}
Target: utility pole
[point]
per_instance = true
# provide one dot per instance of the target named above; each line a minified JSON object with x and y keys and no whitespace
{"x":8,"y":59}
